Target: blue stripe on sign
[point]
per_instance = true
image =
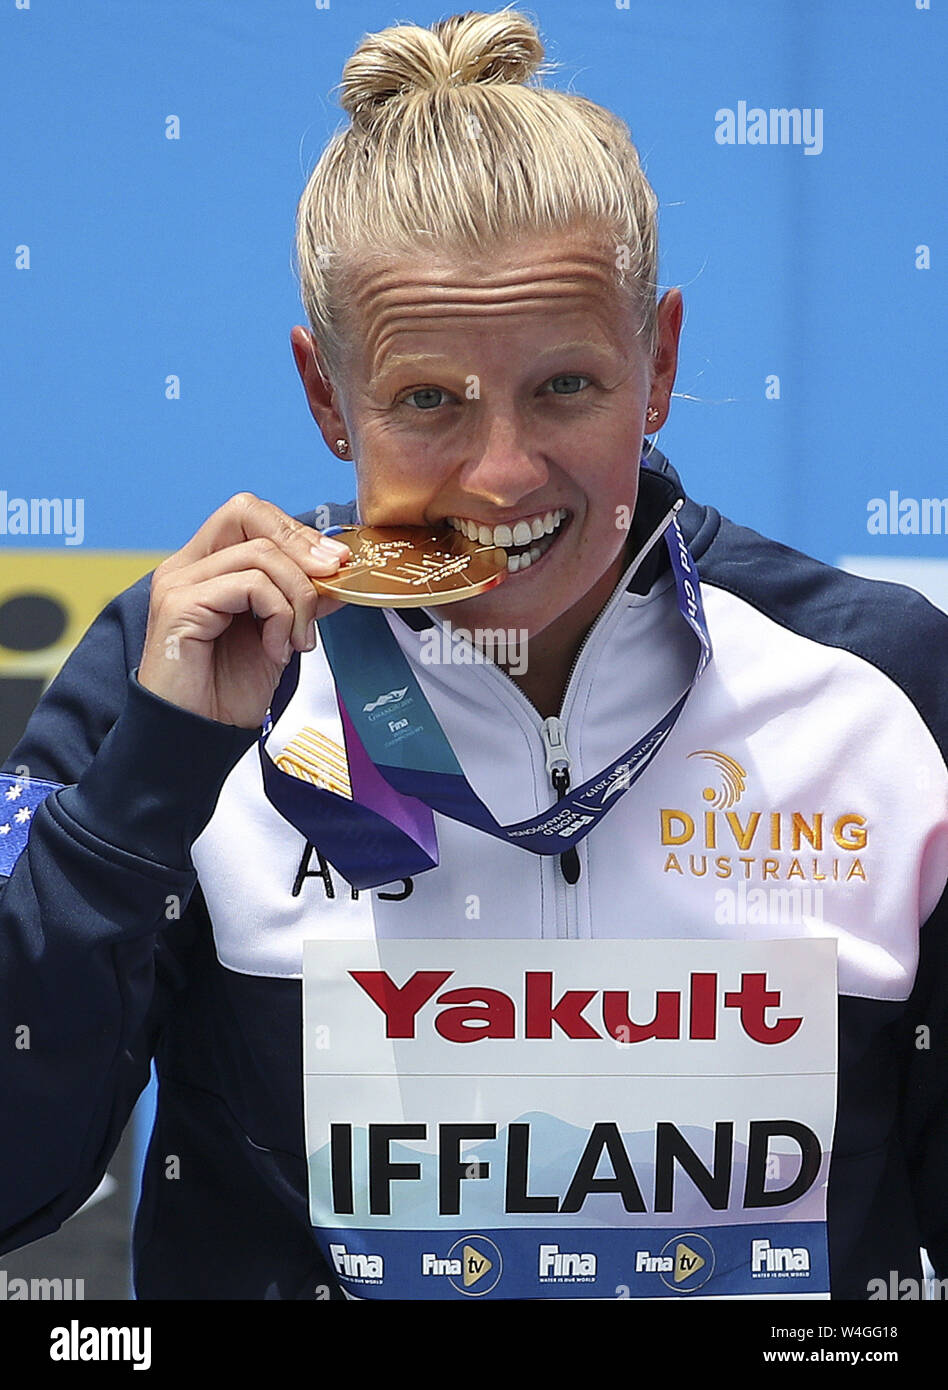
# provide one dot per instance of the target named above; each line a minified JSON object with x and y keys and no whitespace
{"x":19,"y":798}
{"x":747,"y":1260}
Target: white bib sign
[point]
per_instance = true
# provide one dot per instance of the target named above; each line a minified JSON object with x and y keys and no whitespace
{"x":571,"y":1119}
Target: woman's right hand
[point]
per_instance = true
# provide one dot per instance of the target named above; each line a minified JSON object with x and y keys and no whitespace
{"x":228,"y":609}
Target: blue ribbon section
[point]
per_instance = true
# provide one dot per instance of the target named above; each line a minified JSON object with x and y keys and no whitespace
{"x":361,"y":844}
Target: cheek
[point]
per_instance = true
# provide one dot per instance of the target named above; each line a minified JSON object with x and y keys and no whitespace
{"x":394,"y":472}
{"x":394,"y":490}
{"x":603,"y":531}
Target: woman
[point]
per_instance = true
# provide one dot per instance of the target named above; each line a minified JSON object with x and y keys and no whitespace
{"x":478,"y":261}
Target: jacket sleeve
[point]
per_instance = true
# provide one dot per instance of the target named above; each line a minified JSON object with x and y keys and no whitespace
{"x":96,"y":912}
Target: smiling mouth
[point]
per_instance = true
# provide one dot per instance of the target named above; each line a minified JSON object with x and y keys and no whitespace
{"x":528,"y":546}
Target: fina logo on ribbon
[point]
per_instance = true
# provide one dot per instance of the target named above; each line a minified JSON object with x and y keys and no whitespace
{"x":620,"y":779}
{"x":393,"y":697}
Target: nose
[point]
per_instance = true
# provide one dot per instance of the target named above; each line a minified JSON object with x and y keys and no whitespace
{"x":505,"y":462}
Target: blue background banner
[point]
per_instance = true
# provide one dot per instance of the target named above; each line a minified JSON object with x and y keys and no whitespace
{"x":154,"y":154}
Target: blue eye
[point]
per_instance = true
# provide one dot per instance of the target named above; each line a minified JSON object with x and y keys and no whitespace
{"x":425,"y":398}
{"x":426,"y":391}
{"x":571,"y":377}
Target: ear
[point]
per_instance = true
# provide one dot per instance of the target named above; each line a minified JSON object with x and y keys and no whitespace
{"x":320,"y":393}
{"x":665,"y":360}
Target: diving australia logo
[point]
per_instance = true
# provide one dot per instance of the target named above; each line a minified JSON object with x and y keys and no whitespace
{"x":725,"y":838}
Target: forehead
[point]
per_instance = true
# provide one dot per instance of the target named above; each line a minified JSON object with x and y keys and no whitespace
{"x":523,"y":284}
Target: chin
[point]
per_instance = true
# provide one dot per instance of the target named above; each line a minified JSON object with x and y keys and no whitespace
{"x":500,"y":611}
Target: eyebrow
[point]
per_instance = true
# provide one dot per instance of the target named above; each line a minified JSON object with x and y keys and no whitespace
{"x":408,"y":359}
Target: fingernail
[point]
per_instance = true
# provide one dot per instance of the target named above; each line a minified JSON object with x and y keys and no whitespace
{"x":310,"y":637}
{"x":327,"y":543}
{"x":325,"y":560}
{"x":287,"y":652}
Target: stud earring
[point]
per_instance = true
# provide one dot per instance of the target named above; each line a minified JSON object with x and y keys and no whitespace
{"x":342,"y":445}
{"x":652,"y":413}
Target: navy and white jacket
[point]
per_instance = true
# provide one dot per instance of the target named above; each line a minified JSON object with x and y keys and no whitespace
{"x":827,"y":693}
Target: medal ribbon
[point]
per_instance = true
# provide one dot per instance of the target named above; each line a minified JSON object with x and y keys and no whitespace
{"x":402,"y":767}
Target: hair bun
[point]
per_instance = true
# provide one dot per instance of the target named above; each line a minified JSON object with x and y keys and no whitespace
{"x":467,"y":48}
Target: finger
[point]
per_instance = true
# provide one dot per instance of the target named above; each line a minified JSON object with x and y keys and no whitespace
{"x":264,"y":554}
{"x":202,"y":612}
{"x":246,"y":517}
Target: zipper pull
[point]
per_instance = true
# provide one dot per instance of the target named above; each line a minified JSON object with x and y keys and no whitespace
{"x":554,"y":741}
{"x":558,"y":766}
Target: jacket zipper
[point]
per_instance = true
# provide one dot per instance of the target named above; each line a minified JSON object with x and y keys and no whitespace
{"x":554,"y":737}
{"x":554,"y":742}
{"x":558,"y":766}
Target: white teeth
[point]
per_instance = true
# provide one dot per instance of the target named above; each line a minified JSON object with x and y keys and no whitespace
{"x":538,"y":529}
{"x":524,"y":561}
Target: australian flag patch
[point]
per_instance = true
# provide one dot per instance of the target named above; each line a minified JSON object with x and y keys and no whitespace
{"x":19,"y":798}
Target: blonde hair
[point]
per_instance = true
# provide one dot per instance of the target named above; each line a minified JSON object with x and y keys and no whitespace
{"x":449,"y":149}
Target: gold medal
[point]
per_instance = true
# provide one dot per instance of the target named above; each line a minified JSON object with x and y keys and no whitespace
{"x":412,"y":567}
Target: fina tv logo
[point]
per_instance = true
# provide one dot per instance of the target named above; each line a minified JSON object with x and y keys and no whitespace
{"x":683,"y":1264}
{"x":473,"y":1266}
